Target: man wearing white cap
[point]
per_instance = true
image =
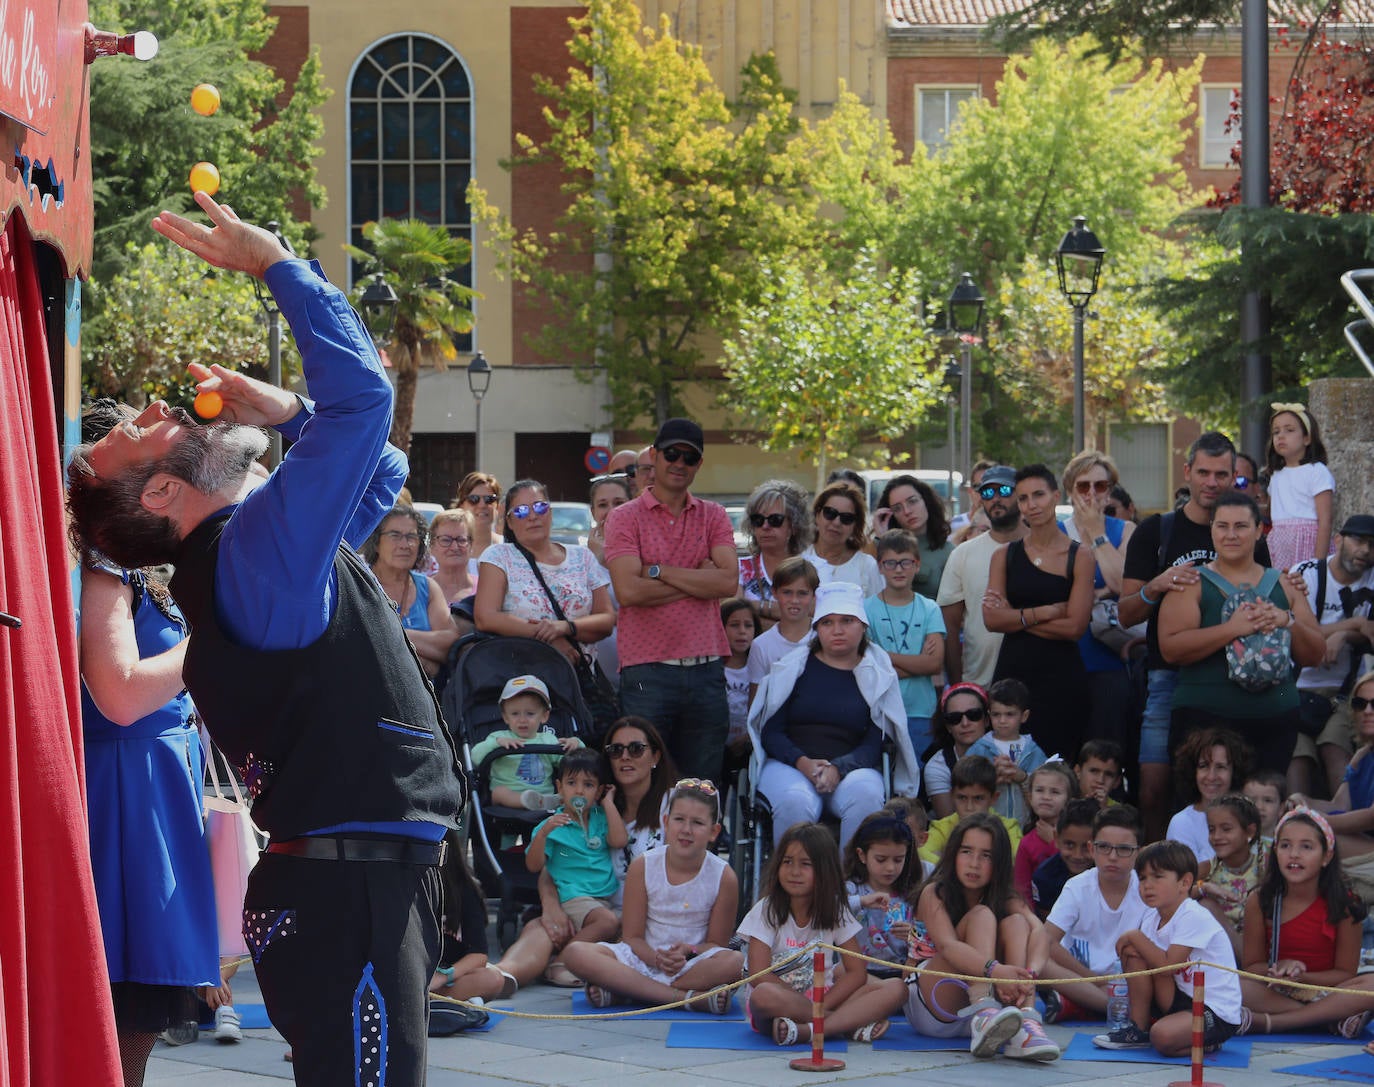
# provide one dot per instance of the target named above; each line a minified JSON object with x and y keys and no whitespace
{"x":527,"y":781}
{"x":820,"y":717}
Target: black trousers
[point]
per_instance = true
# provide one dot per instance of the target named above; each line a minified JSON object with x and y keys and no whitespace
{"x":344,"y":951}
{"x":1272,"y":738}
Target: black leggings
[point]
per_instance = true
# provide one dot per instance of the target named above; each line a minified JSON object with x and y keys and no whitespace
{"x":344,"y":951}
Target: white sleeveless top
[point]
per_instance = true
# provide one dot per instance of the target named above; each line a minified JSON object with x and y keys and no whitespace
{"x":679,"y":913}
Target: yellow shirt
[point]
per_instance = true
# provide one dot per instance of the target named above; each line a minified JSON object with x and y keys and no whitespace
{"x":941,"y":829}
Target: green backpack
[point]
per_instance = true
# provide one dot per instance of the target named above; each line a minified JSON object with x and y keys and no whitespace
{"x":1257,"y":661}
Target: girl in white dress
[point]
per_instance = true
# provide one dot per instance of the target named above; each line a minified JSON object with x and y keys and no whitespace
{"x":679,"y":914}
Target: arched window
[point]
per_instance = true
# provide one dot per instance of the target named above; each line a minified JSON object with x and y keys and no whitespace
{"x":410,"y":139}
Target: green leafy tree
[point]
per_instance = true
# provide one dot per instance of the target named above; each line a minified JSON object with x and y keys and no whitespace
{"x":163,"y":309}
{"x":674,"y":196}
{"x":145,"y":137}
{"x":822,"y":364}
{"x":417,"y":259}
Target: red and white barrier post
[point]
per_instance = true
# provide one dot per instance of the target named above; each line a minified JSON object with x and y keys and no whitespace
{"x":818,"y":1061}
{"x":1199,"y":1029}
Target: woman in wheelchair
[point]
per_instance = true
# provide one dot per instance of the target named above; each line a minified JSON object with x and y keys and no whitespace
{"x":820,"y":719}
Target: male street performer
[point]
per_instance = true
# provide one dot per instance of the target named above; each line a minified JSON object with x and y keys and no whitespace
{"x":298,"y":663}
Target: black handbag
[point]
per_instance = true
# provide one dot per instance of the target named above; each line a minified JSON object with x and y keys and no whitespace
{"x":603,"y":703}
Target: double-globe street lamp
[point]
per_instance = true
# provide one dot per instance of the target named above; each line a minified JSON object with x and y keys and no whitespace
{"x":964,"y":318}
{"x":1079,"y":261}
{"x":479,"y":379}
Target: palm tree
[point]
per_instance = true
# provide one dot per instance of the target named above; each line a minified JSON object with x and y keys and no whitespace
{"x":416,"y":259}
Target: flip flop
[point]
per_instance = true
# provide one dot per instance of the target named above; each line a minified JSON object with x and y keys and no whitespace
{"x":870,"y":1032}
{"x":600,"y":997}
{"x":560,"y":975}
{"x":509,"y":984}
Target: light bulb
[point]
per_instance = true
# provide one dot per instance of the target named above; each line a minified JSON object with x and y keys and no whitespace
{"x":145,"y":45}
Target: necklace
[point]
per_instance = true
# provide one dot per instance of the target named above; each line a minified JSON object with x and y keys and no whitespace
{"x":898,"y":635}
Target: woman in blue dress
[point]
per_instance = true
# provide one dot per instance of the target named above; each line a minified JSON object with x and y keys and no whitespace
{"x":144,"y":769}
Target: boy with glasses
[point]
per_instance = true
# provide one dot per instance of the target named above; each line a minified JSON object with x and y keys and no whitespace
{"x":1093,"y":911}
{"x":912,"y":630}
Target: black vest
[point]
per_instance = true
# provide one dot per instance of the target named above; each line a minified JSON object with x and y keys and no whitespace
{"x":346,"y":729}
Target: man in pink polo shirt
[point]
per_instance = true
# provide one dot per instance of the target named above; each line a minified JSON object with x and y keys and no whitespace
{"x":672,"y":558}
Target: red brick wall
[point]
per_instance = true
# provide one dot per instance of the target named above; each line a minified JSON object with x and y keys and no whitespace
{"x":285,"y":52}
{"x":539,"y":46}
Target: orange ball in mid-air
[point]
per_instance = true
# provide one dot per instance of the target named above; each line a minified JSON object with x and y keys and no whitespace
{"x":209,"y":404}
{"x":205,"y":99}
{"x":205,"y":178}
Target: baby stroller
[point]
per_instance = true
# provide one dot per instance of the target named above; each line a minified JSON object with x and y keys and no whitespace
{"x":471,"y":704}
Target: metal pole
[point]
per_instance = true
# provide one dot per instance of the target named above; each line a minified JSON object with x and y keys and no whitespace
{"x":273,"y":378}
{"x":952,"y":498}
{"x":966,"y":405}
{"x":1257,"y":379}
{"x":478,"y":450}
{"x":1078,"y":409}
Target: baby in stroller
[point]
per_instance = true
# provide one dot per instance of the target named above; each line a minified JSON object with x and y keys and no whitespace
{"x":526,"y":782}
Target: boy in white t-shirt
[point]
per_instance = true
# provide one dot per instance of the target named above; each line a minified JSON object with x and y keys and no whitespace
{"x":795,"y":582}
{"x":1093,"y":911}
{"x":1176,"y":931}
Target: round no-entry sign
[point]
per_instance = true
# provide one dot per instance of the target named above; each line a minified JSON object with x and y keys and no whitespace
{"x":597,"y":458}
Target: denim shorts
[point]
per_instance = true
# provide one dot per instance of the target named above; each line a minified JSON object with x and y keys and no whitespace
{"x":1154,"y":725}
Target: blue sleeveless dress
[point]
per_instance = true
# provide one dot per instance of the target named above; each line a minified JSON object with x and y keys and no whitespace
{"x":153,"y":884}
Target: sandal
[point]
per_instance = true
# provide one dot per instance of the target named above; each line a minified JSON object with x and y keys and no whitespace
{"x":600,"y":997}
{"x":788,"y":1031}
{"x":560,"y":975}
{"x":713,"y":1002}
{"x":1352,"y":1026}
{"x":509,"y":984}
{"x":1249,"y":1024}
{"x":871,"y":1032}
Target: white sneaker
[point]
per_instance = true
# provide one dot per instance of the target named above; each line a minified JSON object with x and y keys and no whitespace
{"x":993,"y":1024}
{"x":227,"y":1024}
{"x":533,"y":800}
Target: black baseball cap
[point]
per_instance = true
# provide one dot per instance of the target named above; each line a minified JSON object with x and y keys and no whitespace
{"x":680,"y":432}
{"x":1358,"y":524}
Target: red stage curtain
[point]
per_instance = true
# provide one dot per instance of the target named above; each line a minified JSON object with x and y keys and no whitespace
{"x":56,"y":1027}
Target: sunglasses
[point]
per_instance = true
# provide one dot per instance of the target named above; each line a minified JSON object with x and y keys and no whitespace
{"x":832,"y":514}
{"x":634,"y":749}
{"x":1359,"y":705}
{"x":1107,"y":849}
{"x":626,"y":473}
{"x":1242,"y":482}
{"x":673,"y":454}
{"x":523,"y":510}
{"x":1096,"y":486}
{"x":772,"y":520}
{"x":897,"y":564}
{"x":995,"y":490}
{"x":700,"y":785}
{"x":953,"y":717}
{"x":481,"y":499}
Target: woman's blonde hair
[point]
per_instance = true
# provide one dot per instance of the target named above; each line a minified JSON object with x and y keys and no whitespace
{"x":1089,"y":458}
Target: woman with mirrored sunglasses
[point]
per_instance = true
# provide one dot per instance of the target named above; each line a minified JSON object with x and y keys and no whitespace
{"x":913,"y":506}
{"x":480,"y":494}
{"x":960,"y":721}
{"x":839,"y":550}
{"x":777,"y":520}
{"x":511,"y":600}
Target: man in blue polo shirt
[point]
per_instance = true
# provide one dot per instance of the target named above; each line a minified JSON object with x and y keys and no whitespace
{"x":298,"y":663}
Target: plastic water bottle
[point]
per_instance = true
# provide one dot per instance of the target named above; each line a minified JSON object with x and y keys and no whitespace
{"x":1118,"y":1000}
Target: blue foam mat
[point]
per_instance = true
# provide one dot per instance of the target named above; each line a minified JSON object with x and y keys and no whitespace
{"x":736,"y":1035}
{"x":901,"y":1036}
{"x":1235,"y":1053}
{"x":580,"y":1006}
{"x":1302,"y":1037}
{"x":251,"y":1017}
{"x":1348,"y":1068}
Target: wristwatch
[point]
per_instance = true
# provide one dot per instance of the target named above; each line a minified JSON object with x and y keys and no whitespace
{"x":654,"y":571}
{"x":1098,"y":541}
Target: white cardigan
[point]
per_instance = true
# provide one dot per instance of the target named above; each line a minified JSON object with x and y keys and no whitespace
{"x":877,"y":681}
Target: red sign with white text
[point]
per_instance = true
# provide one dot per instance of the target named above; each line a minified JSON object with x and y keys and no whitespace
{"x":28,"y":61}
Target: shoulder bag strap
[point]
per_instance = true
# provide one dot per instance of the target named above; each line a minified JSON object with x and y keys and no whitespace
{"x":539,"y":576}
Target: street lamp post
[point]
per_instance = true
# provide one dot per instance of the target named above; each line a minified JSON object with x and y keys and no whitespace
{"x":1079,"y":261}
{"x":951,"y":384}
{"x":479,"y":378}
{"x":273,"y":312}
{"x":379,"y":304}
{"x":965,"y":318}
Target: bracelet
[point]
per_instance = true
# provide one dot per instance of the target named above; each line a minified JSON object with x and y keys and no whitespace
{"x":1023,"y":619}
{"x":1147,"y":600}
{"x":1291,"y":619}
{"x":989,"y":966}
{"x":691,"y":953}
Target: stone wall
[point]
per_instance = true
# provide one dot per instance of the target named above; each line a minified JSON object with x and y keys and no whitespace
{"x":1344,"y":408}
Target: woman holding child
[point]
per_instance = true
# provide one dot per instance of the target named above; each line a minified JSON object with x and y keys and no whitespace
{"x":819,"y":718}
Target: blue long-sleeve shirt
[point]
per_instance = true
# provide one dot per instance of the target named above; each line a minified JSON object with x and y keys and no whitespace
{"x":825,"y":717}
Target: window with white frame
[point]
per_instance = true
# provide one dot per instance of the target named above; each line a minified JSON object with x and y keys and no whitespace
{"x":410,"y":140}
{"x":937,"y":109}
{"x":1215,"y":140}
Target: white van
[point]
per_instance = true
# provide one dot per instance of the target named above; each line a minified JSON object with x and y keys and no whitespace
{"x":938,"y":481}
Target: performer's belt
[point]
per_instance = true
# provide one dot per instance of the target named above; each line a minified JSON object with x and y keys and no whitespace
{"x":326,"y":848}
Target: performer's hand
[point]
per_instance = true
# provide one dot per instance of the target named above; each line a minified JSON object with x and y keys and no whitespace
{"x":228,"y":242}
{"x":246,"y":399}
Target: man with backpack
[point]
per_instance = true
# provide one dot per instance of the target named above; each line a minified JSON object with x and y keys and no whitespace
{"x":1162,"y":556}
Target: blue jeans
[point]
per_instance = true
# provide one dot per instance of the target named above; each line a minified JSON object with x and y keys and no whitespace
{"x":918,"y":728}
{"x":1154,"y":726}
{"x":688,"y":706}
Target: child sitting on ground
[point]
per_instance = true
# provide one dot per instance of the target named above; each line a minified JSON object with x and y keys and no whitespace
{"x":1233,"y":832}
{"x":1051,"y":787}
{"x":1098,"y":770}
{"x":973,"y":785}
{"x":1092,"y":912}
{"x":795,"y":582}
{"x":879,"y":865}
{"x":1268,"y":791}
{"x":1176,"y":931}
{"x":912,"y":812}
{"x":1073,"y":836}
{"x":575,"y":845}
{"x":1015,"y":755}
{"x":911,"y":628}
{"x":526,"y":782}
